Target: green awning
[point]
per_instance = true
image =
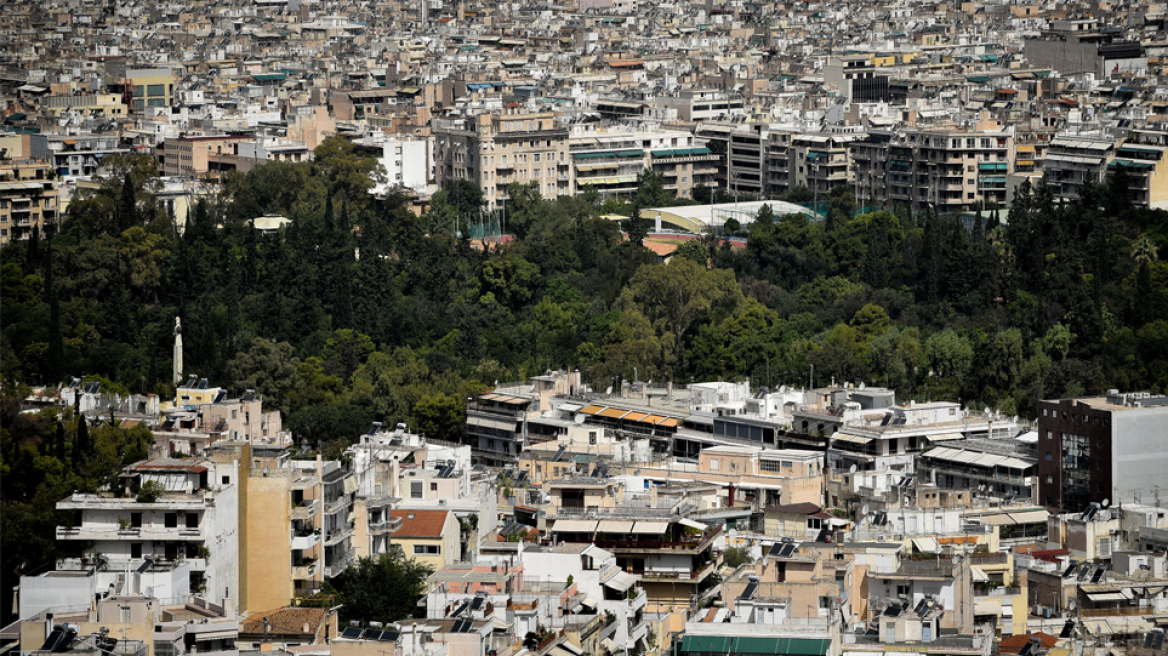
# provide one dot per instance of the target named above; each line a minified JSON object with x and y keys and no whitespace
{"x":730,"y":645}
{"x":663,"y":153}
{"x":630,"y":153}
{"x":980,"y":79}
{"x":1129,"y":164}
{"x":700,"y":151}
{"x":269,"y":77}
{"x":1138,"y":149}
{"x":592,"y":155}
{"x":17,"y":116}
{"x":993,"y":166}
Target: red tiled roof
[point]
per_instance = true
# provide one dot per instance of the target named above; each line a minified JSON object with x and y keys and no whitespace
{"x":420,"y":523}
{"x":1014,"y":644}
{"x":284,"y":621}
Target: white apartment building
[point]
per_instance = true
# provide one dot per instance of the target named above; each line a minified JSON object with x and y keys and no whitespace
{"x":175,"y":512}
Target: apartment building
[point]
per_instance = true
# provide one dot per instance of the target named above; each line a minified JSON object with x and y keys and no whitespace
{"x":609,"y":161}
{"x":80,"y":154}
{"x":989,"y":468}
{"x":107,"y":105}
{"x":172,"y":511}
{"x":28,"y":199}
{"x":1101,"y":448}
{"x":673,"y":555}
{"x":495,"y":149}
{"x":408,"y":162}
{"x":856,"y":78}
{"x":1141,"y":156}
{"x":428,"y":536}
{"x":149,"y":87}
{"x":698,"y":105}
{"x":1073,"y":162}
{"x":191,"y":154}
{"x":949,"y":170}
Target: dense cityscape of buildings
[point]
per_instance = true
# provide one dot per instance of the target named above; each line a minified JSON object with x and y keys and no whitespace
{"x":710,"y":519}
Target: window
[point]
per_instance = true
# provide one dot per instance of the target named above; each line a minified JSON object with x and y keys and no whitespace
{"x":1049,"y":456}
{"x":433,"y":487}
{"x":903,"y":590}
{"x":136,"y":520}
{"x":1050,"y":435}
{"x":427,"y":550}
{"x":714,"y":464}
{"x":768,"y":465}
{"x":416,"y":489}
{"x":192,"y":520}
{"x":170,"y":520}
{"x":1049,"y":479}
{"x":135,"y":550}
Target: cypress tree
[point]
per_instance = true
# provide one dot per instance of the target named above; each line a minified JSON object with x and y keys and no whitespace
{"x":128,"y":207}
{"x":33,"y":256}
{"x":81,"y":446}
{"x":55,"y":362}
{"x":59,"y":442}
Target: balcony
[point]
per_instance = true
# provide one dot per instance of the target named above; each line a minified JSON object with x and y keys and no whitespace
{"x":996,"y":592}
{"x":639,"y":631}
{"x":668,"y":576}
{"x":340,"y":562}
{"x":158,"y":533}
{"x":676,"y":546}
{"x":307,"y":509}
{"x":337,"y":504}
{"x":384,"y":526}
{"x":640,"y":601}
{"x":337,"y":536}
{"x":302,"y":542}
{"x":305,"y":571}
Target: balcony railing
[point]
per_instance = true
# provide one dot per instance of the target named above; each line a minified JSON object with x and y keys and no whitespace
{"x":996,"y":592}
{"x":306,"y":509}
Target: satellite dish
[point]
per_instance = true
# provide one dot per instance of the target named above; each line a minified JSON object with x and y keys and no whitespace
{"x":956,"y":558}
{"x":580,"y":419}
{"x":937,"y":549}
{"x":852,"y":469}
{"x":864,"y":510}
{"x":1105,"y":503}
{"x":1072,"y":604}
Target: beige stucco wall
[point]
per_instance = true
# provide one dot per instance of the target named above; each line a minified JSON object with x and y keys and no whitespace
{"x":266,"y":545}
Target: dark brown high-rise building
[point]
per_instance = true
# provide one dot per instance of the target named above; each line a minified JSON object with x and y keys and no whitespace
{"x":1112,"y":447}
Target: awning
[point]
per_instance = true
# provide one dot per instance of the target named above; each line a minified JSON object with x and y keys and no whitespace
{"x":570,"y":407}
{"x":854,"y":439}
{"x":1007,"y":610}
{"x":1106,"y":596}
{"x":650,"y":528}
{"x":925,"y":545}
{"x":217,"y":635}
{"x":986,"y":608}
{"x":589,"y":602}
{"x":763,"y":646}
{"x":692,"y":524}
{"x":978,"y":575}
{"x":943,"y":437}
{"x":608,"y":645}
{"x":621,"y":581}
{"x":575,"y":525}
{"x":615,"y":526}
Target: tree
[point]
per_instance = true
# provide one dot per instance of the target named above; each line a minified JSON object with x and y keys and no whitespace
{"x":267,"y":367}
{"x":694,"y":249}
{"x":737,"y":556}
{"x":381,"y":589}
{"x":318,"y":424}
{"x":128,"y":205}
{"x":441,"y":416}
{"x":81,"y":443}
